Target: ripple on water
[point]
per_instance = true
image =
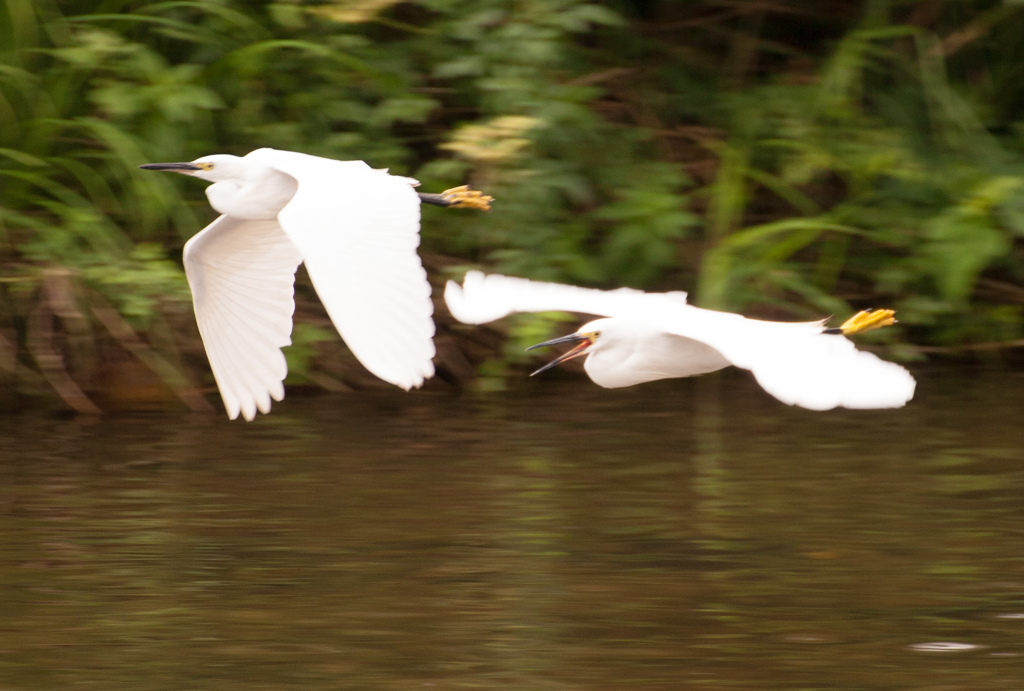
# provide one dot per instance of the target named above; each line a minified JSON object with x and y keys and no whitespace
{"x":944,"y":647}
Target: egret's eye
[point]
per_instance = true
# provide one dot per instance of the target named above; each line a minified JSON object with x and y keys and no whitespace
{"x":205,"y":165}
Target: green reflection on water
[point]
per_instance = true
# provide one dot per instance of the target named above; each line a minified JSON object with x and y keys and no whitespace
{"x":678,"y":535}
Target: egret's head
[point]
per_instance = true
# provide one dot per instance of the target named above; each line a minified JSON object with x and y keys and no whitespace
{"x":586,"y":340}
{"x":213,"y":168}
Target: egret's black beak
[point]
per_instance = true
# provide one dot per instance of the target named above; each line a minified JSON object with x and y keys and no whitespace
{"x":584,"y":343}
{"x":185,"y":168}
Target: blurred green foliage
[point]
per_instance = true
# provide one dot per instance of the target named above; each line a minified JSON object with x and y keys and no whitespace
{"x":788,"y":158}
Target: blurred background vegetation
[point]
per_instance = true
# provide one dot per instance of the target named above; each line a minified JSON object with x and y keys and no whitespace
{"x":785,"y":158}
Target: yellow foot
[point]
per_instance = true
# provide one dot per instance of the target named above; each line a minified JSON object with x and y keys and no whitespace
{"x":867,"y":320}
{"x":468,"y":198}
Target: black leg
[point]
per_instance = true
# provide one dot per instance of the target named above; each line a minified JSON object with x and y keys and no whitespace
{"x":435,"y":199}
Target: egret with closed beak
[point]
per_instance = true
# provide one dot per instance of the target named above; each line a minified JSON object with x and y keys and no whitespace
{"x":357,"y":231}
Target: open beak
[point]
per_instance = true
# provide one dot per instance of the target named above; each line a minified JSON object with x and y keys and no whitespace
{"x":584,"y":343}
{"x":185,"y":168}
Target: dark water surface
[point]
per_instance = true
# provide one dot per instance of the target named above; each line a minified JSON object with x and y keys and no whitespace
{"x":686,"y":534}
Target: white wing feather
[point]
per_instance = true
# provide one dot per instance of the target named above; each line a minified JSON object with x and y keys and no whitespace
{"x":242,"y":276}
{"x":358,"y":231}
{"x":484,"y":298}
{"x":796,"y":363}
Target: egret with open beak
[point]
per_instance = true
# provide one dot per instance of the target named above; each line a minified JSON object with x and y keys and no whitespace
{"x":649,"y":336}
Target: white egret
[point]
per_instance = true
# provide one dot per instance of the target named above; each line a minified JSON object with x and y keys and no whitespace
{"x":356,"y":229}
{"x":649,"y":336}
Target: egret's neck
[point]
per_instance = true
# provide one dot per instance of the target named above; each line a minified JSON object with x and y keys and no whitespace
{"x":258,"y":194}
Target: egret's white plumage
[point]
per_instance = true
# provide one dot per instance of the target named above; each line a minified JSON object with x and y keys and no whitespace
{"x":356,"y":229}
{"x":649,"y":336}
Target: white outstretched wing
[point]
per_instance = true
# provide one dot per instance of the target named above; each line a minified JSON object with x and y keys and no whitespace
{"x":242,"y":275}
{"x":827,"y":371}
{"x":796,"y":363}
{"x":483,"y":298}
{"x":358,"y":231}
